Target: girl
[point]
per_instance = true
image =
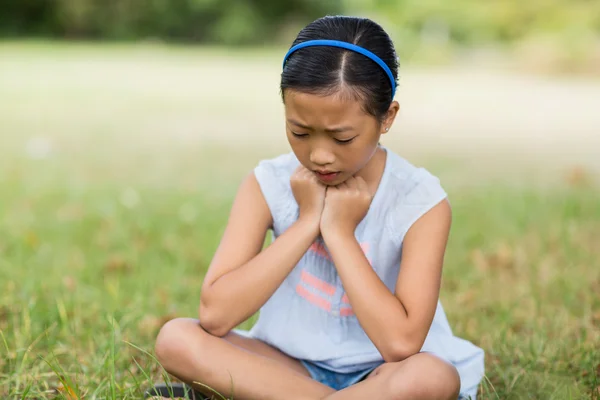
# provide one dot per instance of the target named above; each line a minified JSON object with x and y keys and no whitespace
{"x":348,"y":290}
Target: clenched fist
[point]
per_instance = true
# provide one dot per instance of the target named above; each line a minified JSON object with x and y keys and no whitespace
{"x":345,"y":206}
{"x":309,"y":193}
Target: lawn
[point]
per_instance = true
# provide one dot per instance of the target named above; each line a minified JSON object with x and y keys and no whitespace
{"x":113,"y":201}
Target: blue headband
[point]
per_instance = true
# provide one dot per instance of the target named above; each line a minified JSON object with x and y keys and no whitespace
{"x":347,"y":46}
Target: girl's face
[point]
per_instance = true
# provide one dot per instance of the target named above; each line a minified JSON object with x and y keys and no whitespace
{"x":331,"y":135}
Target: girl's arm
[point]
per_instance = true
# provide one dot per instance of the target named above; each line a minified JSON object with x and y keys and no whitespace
{"x":241,"y":278}
{"x":397,"y":323}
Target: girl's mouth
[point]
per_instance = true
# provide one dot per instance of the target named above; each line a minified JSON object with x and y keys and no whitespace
{"x":327,"y":176}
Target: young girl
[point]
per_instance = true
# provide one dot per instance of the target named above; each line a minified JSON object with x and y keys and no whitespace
{"x":348,"y":290}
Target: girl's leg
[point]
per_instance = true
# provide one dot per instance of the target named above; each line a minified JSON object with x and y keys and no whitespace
{"x":420,"y":377}
{"x":256,"y":370}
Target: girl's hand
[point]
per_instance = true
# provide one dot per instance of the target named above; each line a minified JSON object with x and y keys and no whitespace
{"x":345,"y":206}
{"x":309,"y":194}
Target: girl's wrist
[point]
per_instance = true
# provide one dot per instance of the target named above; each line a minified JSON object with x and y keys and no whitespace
{"x":310,"y":223}
{"x":331,"y":234}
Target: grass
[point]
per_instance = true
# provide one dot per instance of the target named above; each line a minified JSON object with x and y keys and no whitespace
{"x":109,"y":220}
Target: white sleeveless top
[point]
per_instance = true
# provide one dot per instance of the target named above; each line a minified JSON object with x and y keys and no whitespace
{"x":309,"y":316}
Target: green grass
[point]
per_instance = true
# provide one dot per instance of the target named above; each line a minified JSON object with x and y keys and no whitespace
{"x":109,"y":234}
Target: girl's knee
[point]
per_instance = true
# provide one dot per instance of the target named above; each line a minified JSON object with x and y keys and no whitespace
{"x":443,"y":378}
{"x":172,"y":342}
{"x":425,"y":376}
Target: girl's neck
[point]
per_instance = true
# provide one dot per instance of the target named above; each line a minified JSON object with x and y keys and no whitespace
{"x":373,"y":170}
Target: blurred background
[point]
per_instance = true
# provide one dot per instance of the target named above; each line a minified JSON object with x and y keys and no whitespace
{"x":475,"y":76}
{"x":126,"y":126}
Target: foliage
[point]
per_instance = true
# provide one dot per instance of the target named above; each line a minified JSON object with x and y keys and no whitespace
{"x":466,"y":22}
{"x":215,"y":21}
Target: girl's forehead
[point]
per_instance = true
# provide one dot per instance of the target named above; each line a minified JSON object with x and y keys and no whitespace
{"x":327,"y":108}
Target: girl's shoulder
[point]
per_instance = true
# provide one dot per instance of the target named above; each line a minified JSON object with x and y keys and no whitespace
{"x":411,"y":191}
{"x":273,"y":177}
{"x":409,"y":182}
{"x":279,"y":168}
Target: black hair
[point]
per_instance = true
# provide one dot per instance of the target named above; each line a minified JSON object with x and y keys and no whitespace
{"x":325,"y":70}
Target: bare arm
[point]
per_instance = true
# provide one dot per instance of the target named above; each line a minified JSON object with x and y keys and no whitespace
{"x":397,"y":323}
{"x":241,"y":278}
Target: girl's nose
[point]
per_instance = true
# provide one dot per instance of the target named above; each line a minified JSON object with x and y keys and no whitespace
{"x":321,"y":156}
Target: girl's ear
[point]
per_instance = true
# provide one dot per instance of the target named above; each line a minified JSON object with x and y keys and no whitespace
{"x":390,"y":116}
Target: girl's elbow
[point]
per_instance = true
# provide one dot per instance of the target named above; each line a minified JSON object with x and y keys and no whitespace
{"x":216,"y":331}
{"x":211,"y":321}
{"x":400,"y":349}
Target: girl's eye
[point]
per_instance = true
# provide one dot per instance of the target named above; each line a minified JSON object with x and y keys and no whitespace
{"x":299,"y":135}
{"x":345,"y":141}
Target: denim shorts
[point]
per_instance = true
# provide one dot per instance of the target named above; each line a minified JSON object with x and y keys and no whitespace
{"x":335,"y":380}
{"x":339,"y":381}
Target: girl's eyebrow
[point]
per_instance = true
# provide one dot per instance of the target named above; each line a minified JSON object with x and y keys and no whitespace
{"x":328,"y":130}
